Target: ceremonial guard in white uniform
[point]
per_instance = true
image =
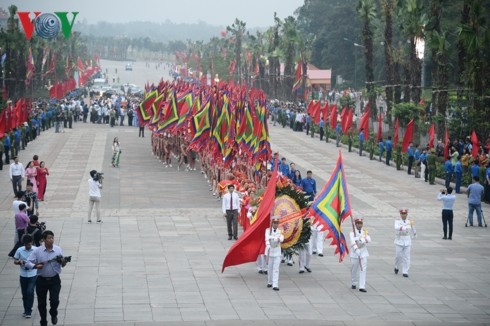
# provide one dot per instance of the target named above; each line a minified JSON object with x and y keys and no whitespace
{"x":305,"y":257}
{"x":317,"y":239}
{"x":273,"y":240}
{"x":359,"y":254}
{"x":404,"y":231}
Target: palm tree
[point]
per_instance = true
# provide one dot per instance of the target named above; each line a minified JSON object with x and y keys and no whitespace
{"x":367,"y":12}
{"x":474,"y":37}
{"x":237,"y":29}
{"x":414,"y":21}
{"x":289,"y":45}
{"x":388,"y":6}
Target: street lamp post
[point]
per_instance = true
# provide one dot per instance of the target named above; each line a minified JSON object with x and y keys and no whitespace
{"x":356,"y":45}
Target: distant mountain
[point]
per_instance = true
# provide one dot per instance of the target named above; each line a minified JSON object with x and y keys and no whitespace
{"x":164,"y":32}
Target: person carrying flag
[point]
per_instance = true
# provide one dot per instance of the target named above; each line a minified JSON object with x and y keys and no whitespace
{"x":359,"y":238}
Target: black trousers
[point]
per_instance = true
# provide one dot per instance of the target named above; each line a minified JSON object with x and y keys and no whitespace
{"x":321,"y":134}
{"x":410,"y":164}
{"x":43,"y":286}
{"x":447,"y":220}
{"x":232,"y":222}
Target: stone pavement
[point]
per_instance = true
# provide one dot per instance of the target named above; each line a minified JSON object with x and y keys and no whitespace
{"x":156,"y":258}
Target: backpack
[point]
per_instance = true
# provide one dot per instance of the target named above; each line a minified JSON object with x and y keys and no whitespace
{"x":36,"y":230}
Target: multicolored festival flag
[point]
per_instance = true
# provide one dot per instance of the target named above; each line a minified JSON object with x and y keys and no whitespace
{"x":298,"y":77}
{"x":332,"y":207}
{"x":30,"y":67}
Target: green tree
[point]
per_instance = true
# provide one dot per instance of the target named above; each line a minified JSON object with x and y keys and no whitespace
{"x":367,"y":12}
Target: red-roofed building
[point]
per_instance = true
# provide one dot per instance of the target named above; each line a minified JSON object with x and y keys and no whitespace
{"x":319,"y":80}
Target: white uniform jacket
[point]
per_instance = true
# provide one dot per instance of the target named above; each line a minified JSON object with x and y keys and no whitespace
{"x":404,"y":232}
{"x":358,"y":240}
{"x":273,"y":241}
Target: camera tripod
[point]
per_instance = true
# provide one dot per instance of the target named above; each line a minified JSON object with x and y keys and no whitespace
{"x":482,"y":217}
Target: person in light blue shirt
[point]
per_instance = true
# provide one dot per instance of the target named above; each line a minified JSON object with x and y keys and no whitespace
{"x":6,"y":147}
{"x":448,"y":168}
{"x":416,"y":156}
{"x":361,"y":141}
{"x":381,"y":146}
{"x":307,"y":123}
{"x":321,"y":125}
{"x":338,"y":133}
{"x":487,"y":184}
{"x":389,"y":150}
{"x":475,"y":169}
{"x":28,"y":276}
{"x":458,"y":174}
{"x":423,"y":160}
{"x":411,"y":158}
{"x":475,"y":192}
{"x":448,"y":199}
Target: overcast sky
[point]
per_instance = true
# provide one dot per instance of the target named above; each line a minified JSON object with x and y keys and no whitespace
{"x":256,"y":13}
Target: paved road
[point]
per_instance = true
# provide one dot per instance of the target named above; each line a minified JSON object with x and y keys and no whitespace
{"x":157,"y":256}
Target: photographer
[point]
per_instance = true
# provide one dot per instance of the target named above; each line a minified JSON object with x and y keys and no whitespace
{"x":94,"y":186}
{"x":35,"y":229}
{"x":27,"y":275}
{"x":48,"y":260}
{"x":448,"y":199}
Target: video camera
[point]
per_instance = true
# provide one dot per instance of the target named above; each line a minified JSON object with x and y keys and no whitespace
{"x":59,"y":259}
{"x":98,"y":176}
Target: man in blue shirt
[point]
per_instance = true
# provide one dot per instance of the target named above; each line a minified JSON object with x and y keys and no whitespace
{"x":292,"y":170}
{"x":6,"y":147}
{"x":17,"y":140}
{"x":361,"y":141}
{"x":338,"y":133}
{"x":458,"y":173}
{"x":27,"y":276}
{"x":417,"y":161}
{"x":448,"y":168}
{"x":389,"y":149}
{"x":284,"y":167}
{"x":487,"y":184}
{"x":321,"y":125}
{"x":411,"y":158}
{"x":475,"y":192}
{"x":381,"y":145}
{"x":475,"y":169}
{"x":308,"y":120}
{"x":309,"y":186}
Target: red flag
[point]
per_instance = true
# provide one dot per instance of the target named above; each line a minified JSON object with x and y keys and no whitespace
{"x":446,"y":144}
{"x":343,"y":119}
{"x":407,"y":138}
{"x":325,"y":112}
{"x":475,"y":143}
{"x":380,"y":126}
{"x":348,"y":121}
{"x":2,"y":123}
{"x":309,"y":108}
{"x":316,"y":112}
{"x":432,"y":135}
{"x":395,"y":136}
{"x":251,"y":243}
{"x":333,"y":116}
{"x":365,"y":122}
